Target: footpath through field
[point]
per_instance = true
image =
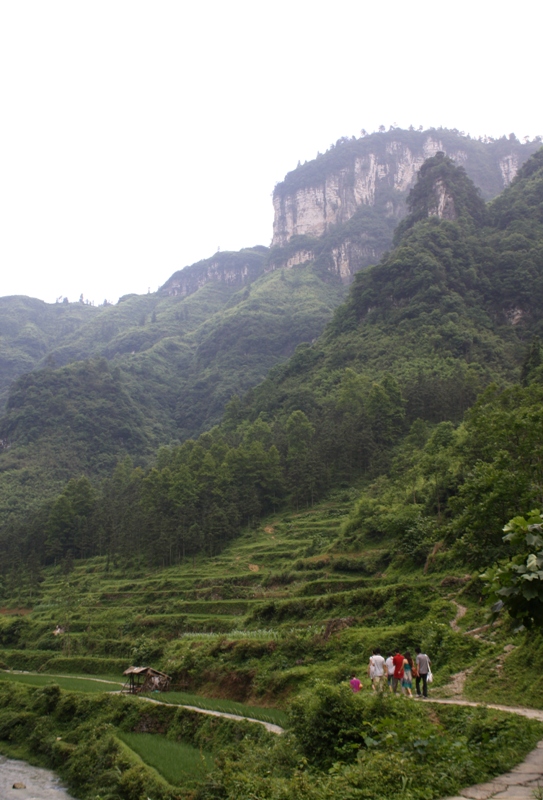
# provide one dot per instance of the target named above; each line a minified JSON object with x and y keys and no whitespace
{"x":523,"y":782}
{"x":268,"y":725}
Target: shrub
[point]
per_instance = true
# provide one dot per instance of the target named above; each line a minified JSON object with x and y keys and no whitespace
{"x":326,"y":721}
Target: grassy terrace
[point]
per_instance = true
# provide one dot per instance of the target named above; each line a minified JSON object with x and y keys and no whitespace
{"x":289,"y":585}
{"x":282,"y":606}
{"x":284,"y":609}
{"x":90,"y":684}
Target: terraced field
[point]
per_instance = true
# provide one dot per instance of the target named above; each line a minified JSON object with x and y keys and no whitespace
{"x":282,"y":606}
{"x":286,"y":607}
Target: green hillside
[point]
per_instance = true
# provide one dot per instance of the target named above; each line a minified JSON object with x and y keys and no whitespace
{"x":170,"y":365}
{"x":278,"y":621}
{"x":30,"y":329}
{"x":443,"y":316}
{"x":349,"y":501}
{"x":216,"y":328}
{"x":451,"y":309}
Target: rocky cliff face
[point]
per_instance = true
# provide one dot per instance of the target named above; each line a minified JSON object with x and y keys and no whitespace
{"x":443,"y":205}
{"x":346,"y":203}
{"x":381,"y":177}
{"x":340,"y":210}
{"x":313,"y":210}
{"x":230,"y":269}
{"x":342,"y":260}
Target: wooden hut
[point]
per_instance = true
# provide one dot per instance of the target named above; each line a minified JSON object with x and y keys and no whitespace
{"x":145,"y":679}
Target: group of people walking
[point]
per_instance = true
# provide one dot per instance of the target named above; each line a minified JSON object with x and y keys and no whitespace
{"x":398,"y":669}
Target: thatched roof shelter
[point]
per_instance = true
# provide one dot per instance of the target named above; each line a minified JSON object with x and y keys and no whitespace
{"x":145,"y":679}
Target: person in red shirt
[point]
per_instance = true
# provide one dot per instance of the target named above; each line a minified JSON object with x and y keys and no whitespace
{"x":397,"y":660}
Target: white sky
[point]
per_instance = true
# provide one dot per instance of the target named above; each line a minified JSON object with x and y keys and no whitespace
{"x":136,"y":137}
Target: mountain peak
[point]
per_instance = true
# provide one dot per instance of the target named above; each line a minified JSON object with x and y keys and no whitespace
{"x":443,"y":190}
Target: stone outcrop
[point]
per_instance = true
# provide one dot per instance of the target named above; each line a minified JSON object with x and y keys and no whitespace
{"x":357,"y":191}
{"x":332,"y":199}
{"x":443,"y":206}
{"x":509,"y":166}
{"x":230,"y":269}
{"x":349,"y":257}
{"x":189,"y":280}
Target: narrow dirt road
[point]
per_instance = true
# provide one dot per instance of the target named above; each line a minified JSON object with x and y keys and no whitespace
{"x":460,"y":612}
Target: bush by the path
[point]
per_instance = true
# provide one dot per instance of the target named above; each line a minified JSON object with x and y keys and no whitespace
{"x":345,"y":746}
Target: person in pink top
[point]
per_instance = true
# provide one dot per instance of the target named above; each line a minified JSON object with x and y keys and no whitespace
{"x":355,"y":684}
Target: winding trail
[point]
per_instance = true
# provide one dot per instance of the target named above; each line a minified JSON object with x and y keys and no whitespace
{"x":270,"y":726}
{"x":523,"y":782}
{"x":460,"y":612}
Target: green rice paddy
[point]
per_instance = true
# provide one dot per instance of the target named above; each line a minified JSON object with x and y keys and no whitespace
{"x":70,"y":684}
{"x":178,"y":763}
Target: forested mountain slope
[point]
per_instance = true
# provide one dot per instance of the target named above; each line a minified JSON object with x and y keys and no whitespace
{"x":30,"y":329}
{"x":167,"y":367}
{"x":443,"y":316}
{"x":358,"y":206}
{"x":34,"y":334}
{"x":451,"y":308}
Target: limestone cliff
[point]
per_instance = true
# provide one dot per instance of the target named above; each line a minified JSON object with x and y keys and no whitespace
{"x":443,"y":205}
{"x":229,"y":269}
{"x":379,"y":170}
{"x":356,"y":193}
{"x":313,"y":209}
{"x":340,"y":210}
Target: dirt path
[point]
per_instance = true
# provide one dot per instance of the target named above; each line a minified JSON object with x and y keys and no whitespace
{"x":270,"y":726}
{"x":460,"y":612}
{"x":74,"y":677}
{"x":521,"y":783}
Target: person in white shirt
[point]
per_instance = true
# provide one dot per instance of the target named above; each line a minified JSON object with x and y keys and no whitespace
{"x":389,"y":663}
{"x":376,"y":670}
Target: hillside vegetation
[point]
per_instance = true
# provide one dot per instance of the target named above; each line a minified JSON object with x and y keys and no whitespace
{"x":214,"y":330}
{"x":419,"y":337}
{"x":156,"y":369}
{"x":280,"y":619}
{"x":351,"y":500}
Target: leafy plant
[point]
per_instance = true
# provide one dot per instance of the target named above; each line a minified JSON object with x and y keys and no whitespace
{"x":517,"y":584}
